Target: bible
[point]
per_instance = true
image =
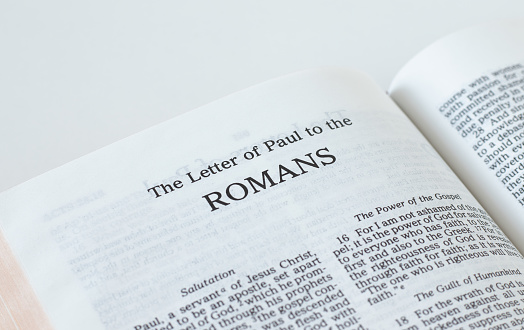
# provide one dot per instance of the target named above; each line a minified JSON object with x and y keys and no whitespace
{"x":312,"y":201}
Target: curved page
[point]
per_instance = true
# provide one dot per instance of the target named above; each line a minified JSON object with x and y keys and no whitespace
{"x":466,"y":94}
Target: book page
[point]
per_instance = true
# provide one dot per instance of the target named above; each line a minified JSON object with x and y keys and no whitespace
{"x":466,"y":94}
{"x":308,"y":202}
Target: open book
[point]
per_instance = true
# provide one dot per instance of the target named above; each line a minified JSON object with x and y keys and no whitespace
{"x":307,"y":202}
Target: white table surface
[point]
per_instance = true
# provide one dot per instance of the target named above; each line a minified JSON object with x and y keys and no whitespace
{"x":78,"y":75}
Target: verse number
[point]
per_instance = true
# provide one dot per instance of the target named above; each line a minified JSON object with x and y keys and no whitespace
{"x":343,"y":239}
{"x":402,"y":321}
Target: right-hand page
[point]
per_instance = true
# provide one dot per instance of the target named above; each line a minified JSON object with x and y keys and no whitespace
{"x":466,"y":94}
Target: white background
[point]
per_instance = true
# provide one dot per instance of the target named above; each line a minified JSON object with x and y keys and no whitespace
{"x":78,"y":75}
